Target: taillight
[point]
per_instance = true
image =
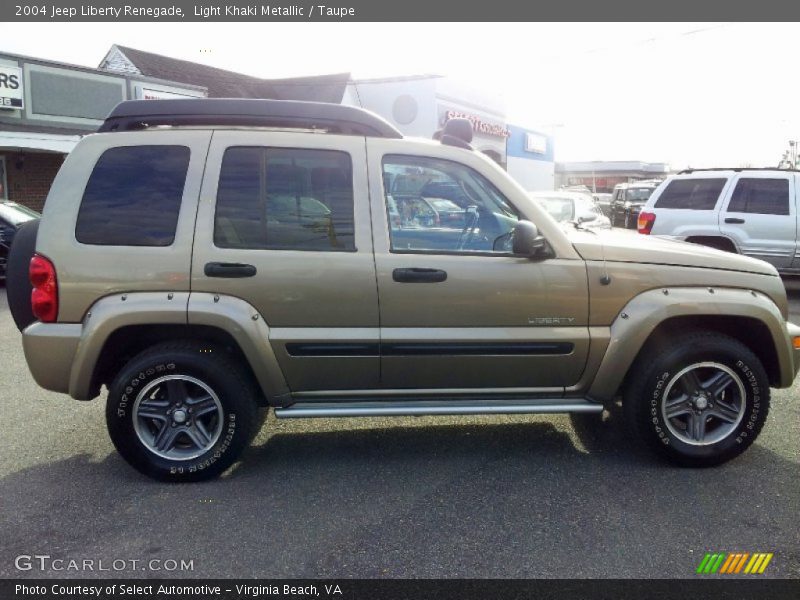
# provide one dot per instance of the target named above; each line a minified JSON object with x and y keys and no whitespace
{"x":44,"y":297}
{"x":646,"y":222}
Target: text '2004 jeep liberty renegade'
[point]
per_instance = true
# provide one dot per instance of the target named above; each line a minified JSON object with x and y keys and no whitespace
{"x":204,"y":259}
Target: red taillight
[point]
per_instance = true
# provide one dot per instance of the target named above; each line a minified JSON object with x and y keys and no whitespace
{"x":44,"y":297}
{"x":646,"y":222}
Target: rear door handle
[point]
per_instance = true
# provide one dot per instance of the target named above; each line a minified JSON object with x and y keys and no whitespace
{"x":415,"y":275}
{"x":229,"y":270}
{"x":734,"y":221}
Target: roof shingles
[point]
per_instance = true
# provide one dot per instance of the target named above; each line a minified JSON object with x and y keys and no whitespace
{"x":228,"y":84}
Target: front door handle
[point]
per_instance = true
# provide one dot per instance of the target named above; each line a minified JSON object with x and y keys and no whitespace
{"x":734,"y":221}
{"x":229,"y":270}
{"x":415,"y":275}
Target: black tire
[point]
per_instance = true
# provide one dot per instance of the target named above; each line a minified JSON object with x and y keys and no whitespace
{"x":655,"y":380}
{"x":18,"y":286}
{"x":236,"y":416}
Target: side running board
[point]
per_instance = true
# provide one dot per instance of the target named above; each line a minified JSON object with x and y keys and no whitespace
{"x":434,"y":407}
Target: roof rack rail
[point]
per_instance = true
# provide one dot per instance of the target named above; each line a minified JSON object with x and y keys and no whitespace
{"x":738,"y":169}
{"x":132,"y":115}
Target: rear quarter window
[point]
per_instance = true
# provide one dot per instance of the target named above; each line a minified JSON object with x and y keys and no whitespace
{"x":691,"y":194}
{"x":133,"y":197}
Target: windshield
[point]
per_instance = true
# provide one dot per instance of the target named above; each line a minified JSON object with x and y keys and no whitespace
{"x":561,"y":209}
{"x":585,"y":207}
{"x":16,"y":214}
{"x":638,"y":194}
{"x":443,"y":205}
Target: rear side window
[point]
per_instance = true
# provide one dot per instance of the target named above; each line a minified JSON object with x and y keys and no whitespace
{"x":691,"y":194}
{"x":133,"y":197}
{"x":761,"y":196}
{"x":285,"y":199}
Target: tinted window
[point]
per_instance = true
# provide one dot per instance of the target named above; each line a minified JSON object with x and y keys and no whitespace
{"x":133,"y":197}
{"x":763,"y":196}
{"x":692,"y":194}
{"x":285,"y":199}
{"x":418,"y":222}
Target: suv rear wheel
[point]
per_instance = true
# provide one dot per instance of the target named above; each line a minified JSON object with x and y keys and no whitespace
{"x":181,"y":412}
{"x":700,"y":401}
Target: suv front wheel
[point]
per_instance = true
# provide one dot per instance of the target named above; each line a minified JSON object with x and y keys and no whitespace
{"x":700,"y":400}
{"x":181,"y":412}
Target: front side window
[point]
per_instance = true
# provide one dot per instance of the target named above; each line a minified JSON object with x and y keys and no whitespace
{"x":691,"y":194}
{"x":285,"y":199}
{"x":760,"y":196}
{"x":436,"y":205}
{"x":133,"y":197}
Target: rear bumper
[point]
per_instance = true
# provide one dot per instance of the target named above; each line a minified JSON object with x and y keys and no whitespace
{"x":50,"y":350}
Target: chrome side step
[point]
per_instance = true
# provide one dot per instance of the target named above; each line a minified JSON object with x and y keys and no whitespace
{"x":432,"y":407}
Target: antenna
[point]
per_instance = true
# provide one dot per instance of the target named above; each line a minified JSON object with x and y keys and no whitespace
{"x":605,"y":278}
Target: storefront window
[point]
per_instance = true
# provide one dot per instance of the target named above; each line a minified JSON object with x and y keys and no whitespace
{"x":3,"y":182}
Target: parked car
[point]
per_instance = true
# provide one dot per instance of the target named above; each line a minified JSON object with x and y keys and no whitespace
{"x":572,"y":207}
{"x":12,"y":216}
{"x":603,"y":201}
{"x":747,"y":211}
{"x":627,"y":201}
{"x":148,"y":281}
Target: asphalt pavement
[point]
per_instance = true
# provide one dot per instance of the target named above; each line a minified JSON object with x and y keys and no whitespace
{"x":516,"y":496}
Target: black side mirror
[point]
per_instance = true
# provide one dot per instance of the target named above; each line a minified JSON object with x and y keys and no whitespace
{"x":586,"y":218}
{"x":526,"y":240}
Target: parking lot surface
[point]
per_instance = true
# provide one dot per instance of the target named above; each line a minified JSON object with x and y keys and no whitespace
{"x":521,"y":496}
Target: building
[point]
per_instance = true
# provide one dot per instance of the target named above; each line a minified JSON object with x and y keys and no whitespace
{"x":50,"y":106}
{"x":46,"y":106}
{"x":602,"y":176}
{"x":420,"y":105}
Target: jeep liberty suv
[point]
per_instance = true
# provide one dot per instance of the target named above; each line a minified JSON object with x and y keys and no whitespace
{"x":207,"y":259}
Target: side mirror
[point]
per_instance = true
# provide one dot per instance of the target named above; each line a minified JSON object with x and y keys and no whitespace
{"x":526,"y":240}
{"x":586,"y":218}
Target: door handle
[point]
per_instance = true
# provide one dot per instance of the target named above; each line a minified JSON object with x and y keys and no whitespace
{"x":415,"y":275}
{"x":734,"y":221}
{"x":228,"y":270}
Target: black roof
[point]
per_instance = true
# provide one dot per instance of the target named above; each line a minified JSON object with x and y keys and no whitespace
{"x":229,"y":84}
{"x":332,"y":118}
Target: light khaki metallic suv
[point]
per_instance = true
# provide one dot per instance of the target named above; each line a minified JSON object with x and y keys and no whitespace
{"x":205,"y":259}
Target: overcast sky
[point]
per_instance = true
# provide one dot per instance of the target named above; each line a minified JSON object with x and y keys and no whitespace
{"x":687,"y":94}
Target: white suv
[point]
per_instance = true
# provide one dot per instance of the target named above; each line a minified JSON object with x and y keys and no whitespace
{"x":748,"y":211}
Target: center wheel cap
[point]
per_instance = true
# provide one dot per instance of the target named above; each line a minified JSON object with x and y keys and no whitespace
{"x":179,"y":416}
{"x":701,"y":402}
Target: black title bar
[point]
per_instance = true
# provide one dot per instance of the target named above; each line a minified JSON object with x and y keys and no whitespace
{"x":400,"y":589}
{"x":393,"y":10}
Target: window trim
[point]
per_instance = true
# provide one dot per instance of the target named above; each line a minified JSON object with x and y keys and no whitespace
{"x":354,"y":249}
{"x":432,"y":252}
